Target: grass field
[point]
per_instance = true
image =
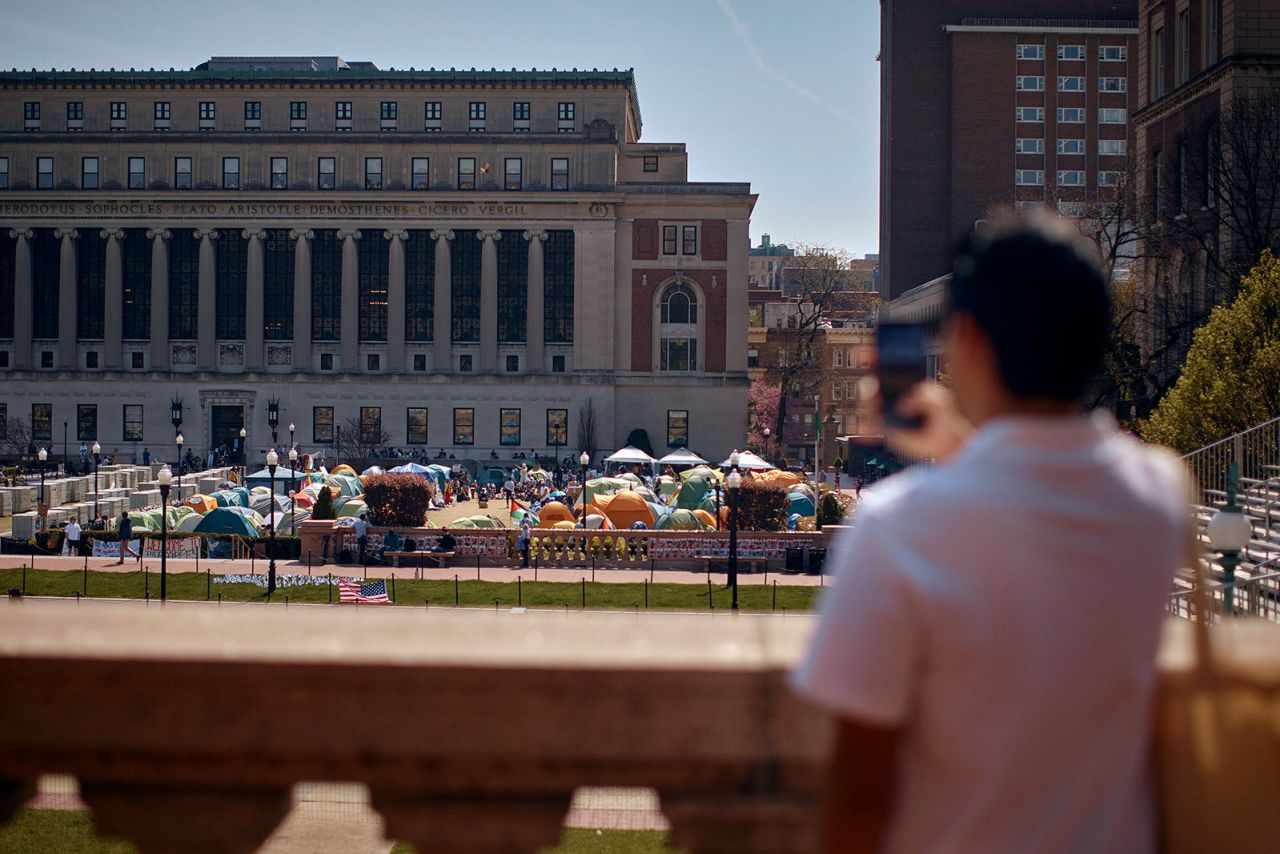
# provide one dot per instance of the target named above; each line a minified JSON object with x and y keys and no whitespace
{"x":406,"y":592}
{"x":71,"y":832}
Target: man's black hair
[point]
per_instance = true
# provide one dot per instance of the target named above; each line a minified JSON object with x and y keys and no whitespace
{"x":1034,"y":286}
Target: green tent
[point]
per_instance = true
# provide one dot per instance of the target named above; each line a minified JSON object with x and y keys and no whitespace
{"x":668,"y":486}
{"x":351,"y":507}
{"x":606,"y":486}
{"x":478,"y":521}
{"x":681,"y":520}
{"x":692,"y":493}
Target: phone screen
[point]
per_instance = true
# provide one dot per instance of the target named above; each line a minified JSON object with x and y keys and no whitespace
{"x":899,"y":367}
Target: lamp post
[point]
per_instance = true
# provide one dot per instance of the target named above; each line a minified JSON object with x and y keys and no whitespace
{"x":164,"y":478}
{"x":97,"y":458}
{"x":177,"y":440}
{"x":293,"y":480}
{"x":272,"y":459}
{"x":337,"y":443}
{"x":291,"y":445}
{"x":175,"y":414}
{"x":42,"y":455}
{"x":733,"y":481}
{"x":716,"y":487}
{"x":244,"y":456}
{"x":66,"y":454}
{"x":1229,"y":533}
{"x":766,"y":443}
{"x":273,"y":417}
{"x":584,"y":460}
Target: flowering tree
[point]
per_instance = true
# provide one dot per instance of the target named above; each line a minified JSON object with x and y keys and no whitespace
{"x":762,"y":411}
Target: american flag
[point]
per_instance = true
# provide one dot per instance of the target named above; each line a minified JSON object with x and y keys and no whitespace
{"x":373,"y":593}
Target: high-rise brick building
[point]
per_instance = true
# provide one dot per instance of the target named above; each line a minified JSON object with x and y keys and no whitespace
{"x":991,"y":103}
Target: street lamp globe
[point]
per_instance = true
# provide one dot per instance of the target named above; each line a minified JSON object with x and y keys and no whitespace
{"x":291,"y":427}
{"x":272,"y":459}
{"x":734,"y":458}
{"x":734,"y":480}
{"x":243,"y":433}
{"x":165,"y":477}
{"x":293,"y":456}
{"x":178,"y":440}
{"x":43,"y":454}
{"x":1228,"y":531}
{"x":585,"y":458}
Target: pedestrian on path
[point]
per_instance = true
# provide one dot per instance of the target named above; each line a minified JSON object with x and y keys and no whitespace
{"x":361,"y":527}
{"x":73,"y":537}
{"x":125,"y":533}
{"x":523,"y":541}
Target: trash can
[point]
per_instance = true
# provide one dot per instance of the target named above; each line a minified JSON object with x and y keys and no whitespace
{"x":817,"y":556}
{"x":794,"y":561}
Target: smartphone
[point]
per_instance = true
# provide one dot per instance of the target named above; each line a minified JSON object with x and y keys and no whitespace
{"x":899,"y":367}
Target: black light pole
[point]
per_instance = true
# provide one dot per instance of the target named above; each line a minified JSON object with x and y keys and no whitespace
{"x":273,"y":418}
{"x":164,"y":478}
{"x":766,"y":444}
{"x":584,"y":460}
{"x":293,"y":493}
{"x":244,"y":456}
{"x":177,"y":440}
{"x":716,"y":487}
{"x":272,"y":459}
{"x":733,"y":481}
{"x":42,"y":455}
{"x":337,"y":445}
{"x":175,"y":414}
{"x":97,"y":458}
{"x":66,"y":454}
{"x":291,"y":445}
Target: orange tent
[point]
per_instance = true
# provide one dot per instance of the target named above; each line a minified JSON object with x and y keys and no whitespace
{"x":201,"y":503}
{"x":304,"y":499}
{"x":780,"y":477}
{"x":624,"y":509}
{"x":707,"y":518}
{"x":552,"y":512}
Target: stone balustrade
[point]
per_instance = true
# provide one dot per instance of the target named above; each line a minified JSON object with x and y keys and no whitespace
{"x":188,"y":725}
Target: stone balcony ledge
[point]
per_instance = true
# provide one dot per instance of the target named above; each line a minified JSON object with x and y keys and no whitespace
{"x":188,"y":725}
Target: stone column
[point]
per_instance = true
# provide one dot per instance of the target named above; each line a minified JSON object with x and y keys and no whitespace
{"x":113,"y":304}
{"x":22,"y":318}
{"x":535,"y":325}
{"x":253,"y":299}
{"x":489,"y":301}
{"x":395,"y":299}
{"x":442,"y":309}
{"x":302,"y":238}
{"x":67,"y":298}
{"x":350,"y":299}
{"x":207,"y":302}
{"x":159,"y":298}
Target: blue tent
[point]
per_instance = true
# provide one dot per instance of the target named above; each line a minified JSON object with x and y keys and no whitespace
{"x":410,"y":468}
{"x":285,"y":479}
{"x":224,"y":520}
{"x":800,"y":504}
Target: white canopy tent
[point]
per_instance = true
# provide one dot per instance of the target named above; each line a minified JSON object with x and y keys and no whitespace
{"x":682,"y":457}
{"x":749,"y":461}
{"x":630,"y":456}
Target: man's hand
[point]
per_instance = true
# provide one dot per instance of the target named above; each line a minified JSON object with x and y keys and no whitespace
{"x":943,"y":430}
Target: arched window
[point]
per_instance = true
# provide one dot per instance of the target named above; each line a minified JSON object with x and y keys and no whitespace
{"x":678,"y":337}
{"x":679,"y":305}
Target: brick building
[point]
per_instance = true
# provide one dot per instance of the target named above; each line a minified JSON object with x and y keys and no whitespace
{"x":460,"y":260}
{"x":988,"y":104}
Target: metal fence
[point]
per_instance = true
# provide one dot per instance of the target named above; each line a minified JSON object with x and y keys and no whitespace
{"x":1257,"y":450}
{"x":1256,"y":596}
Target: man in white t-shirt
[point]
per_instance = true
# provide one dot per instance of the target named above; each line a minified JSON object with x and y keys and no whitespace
{"x":988,"y":648}
{"x":72,"y":532}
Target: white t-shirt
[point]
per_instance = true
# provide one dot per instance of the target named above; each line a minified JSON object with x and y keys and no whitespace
{"x":73,"y":531}
{"x":1004,"y":610}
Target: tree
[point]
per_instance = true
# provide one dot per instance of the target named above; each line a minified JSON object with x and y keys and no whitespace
{"x":323,"y":508}
{"x":1231,"y":378}
{"x":762,"y":406}
{"x":361,"y":442}
{"x":15,"y":436}
{"x":587,"y":428}
{"x":639,"y":438}
{"x":398,"y":500}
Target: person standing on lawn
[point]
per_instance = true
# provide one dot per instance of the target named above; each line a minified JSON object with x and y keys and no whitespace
{"x":124,"y":532}
{"x":73,"y":537}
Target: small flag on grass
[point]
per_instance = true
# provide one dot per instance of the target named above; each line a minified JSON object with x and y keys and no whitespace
{"x":373,"y":593}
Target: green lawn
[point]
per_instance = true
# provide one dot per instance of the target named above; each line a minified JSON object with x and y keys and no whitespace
{"x":71,"y":832}
{"x":542,"y":594}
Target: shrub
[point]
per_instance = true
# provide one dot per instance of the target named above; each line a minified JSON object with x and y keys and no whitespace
{"x":829,"y":509}
{"x":639,"y":438}
{"x":397,"y":500}
{"x":761,"y":506}
{"x":323,"y":508}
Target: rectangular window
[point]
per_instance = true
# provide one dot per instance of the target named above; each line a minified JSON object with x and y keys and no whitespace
{"x":1113,"y":84}
{"x":464,"y":363}
{"x":1108,"y":179}
{"x":1157,"y":62}
{"x":689,"y":240}
{"x":1184,"y":45}
{"x":1070,"y":51}
{"x":837,"y":358}
{"x":433,"y":113}
{"x":86,"y":422}
{"x":137,"y":173}
{"x":1029,"y":177}
{"x":388,"y":111}
{"x":162,"y":111}
{"x":1113,"y":53}
{"x":1071,"y":146}
{"x":253,"y":111}
{"x":678,"y":354}
{"x":466,"y":173}
{"x":476,"y":110}
{"x":669,"y":240}
{"x":416,"y":424}
{"x":31,"y":111}
{"x":89,"y":173}
{"x":298,"y":111}
{"x":371,"y":425}
{"x":208,"y":111}
{"x":565,"y":114}
{"x":138,"y":360}
{"x":511,"y":171}
{"x":42,"y":421}
{"x":1070,"y":84}
{"x":279,"y":173}
{"x":1212,"y":13}
{"x":1070,"y":178}
{"x":1157,"y":185}
{"x":75,"y":111}
{"x":182,"y":173}
{"x":520,"y":116}
{"x":231,"y":173}
{"x":1030,"y":84}
{"x":677,"y":428}
{"x":1029,"y":114}
{"x":1113,"y":115}
{"x":4,"y":173}
{"x":373,"y":173}
{"x":326,"y":177}
{"x":557,"y":428}
{"x":133,"y":422}
{"x":326,"y":361}
{"x":421,"y":173}
{"x":342,"y":112}
{"x":513,"y":364}
{"x":1116,"y":147}
{"x":119,"y":111}
{"x":509,"y":427}
{"x":1070,"y":115}
{"x":1182,"y":176}
{"x":651,"y":163}
{"x":1028,"y":146}
{"x":559,"y":173}
{"x":44,"y":173}
{"x":419,"y":361}
{"x":557,"y":364}
{"x":322,"y":424}
{"x":1030,"y":51}
{"x":464,"y":426}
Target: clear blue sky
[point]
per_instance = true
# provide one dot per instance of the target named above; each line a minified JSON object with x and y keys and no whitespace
{"x":783,"y":94}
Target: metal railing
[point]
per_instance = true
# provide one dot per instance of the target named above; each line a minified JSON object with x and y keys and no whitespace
{"x":1255,"y":449}
{"x":1256,"y":596}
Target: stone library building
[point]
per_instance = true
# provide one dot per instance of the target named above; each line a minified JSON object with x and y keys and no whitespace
{"x":449,"y":261}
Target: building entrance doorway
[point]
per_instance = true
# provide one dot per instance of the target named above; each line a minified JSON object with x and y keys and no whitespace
{"x":225,"y":436}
